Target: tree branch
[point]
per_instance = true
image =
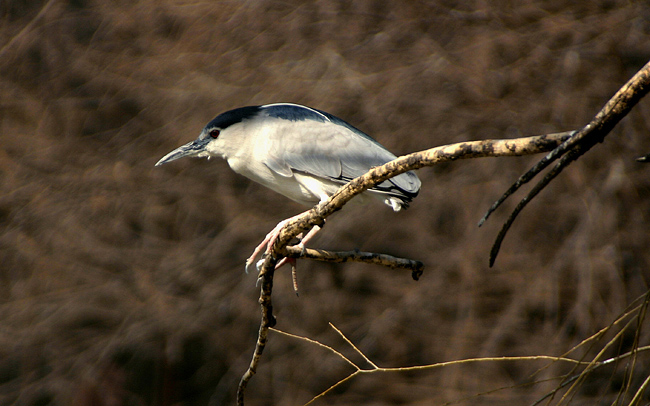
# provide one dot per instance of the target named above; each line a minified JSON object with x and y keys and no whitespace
{"x":317,"y":215}
{"x":566,"y":147}
{"x":416,"y":160}
{"x":590,"y":366}
{"x":416,"y":267}
{"x":577,"y":145}
{"x":268,"y":320}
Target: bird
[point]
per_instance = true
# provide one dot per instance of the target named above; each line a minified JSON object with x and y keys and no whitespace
{"x":300,"y":152}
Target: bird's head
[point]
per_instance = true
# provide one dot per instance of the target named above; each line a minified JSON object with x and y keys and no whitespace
{"x":215,"y":137}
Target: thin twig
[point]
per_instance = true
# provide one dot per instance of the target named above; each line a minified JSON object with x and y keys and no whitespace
{"x":637,"y":396}
{"x":590,"y":365}
{"x":376,"y":369}
{"x":347,"y":340}
{"x":593,"y":363}
{"x":638,"y":312}
{"x":563,"y":163}
{"x":523,"y":179}
{"x":637,"y":336}
{"x":318,"y":343}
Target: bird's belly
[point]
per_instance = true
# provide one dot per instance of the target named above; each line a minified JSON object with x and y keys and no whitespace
{"x":306,"y":193}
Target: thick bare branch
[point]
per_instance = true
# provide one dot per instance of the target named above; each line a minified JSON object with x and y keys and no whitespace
{"x":416,"y":160}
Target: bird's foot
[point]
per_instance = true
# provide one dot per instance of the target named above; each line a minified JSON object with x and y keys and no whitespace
{"x":265,"y":246}
{"x":283,"y":261}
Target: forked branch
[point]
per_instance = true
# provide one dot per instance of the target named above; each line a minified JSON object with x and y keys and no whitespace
{"x":577,"y":145}
{"x":626,"y":320}
{"x":317,"y":215}
{"x":566,"y":147}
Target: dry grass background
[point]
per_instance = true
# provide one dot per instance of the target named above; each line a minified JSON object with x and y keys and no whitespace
{"x":123,"y":284}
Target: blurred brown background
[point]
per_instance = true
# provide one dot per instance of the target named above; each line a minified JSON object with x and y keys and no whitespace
{"x":124,"y":284}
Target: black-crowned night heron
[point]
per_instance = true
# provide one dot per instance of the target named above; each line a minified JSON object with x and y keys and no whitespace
{"x":300,"y":152}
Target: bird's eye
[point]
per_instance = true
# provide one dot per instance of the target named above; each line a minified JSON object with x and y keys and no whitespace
{"x":214,"y":133}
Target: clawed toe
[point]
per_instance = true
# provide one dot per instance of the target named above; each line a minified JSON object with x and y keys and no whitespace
{"x":266,"y":246}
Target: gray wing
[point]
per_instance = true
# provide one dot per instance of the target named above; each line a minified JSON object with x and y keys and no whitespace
{"x":330,"y":150}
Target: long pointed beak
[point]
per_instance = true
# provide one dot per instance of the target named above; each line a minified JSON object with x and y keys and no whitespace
{"x":190,"y":149}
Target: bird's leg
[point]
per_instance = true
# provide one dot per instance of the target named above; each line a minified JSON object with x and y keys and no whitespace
{"x":267,"y":243}
{"x":308,"y":237}
{"x":294,"y":276}
{"x":292,"y":261}
{"x":301,"y":244}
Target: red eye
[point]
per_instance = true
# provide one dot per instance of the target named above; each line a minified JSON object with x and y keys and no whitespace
{"x":214,"y":133}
